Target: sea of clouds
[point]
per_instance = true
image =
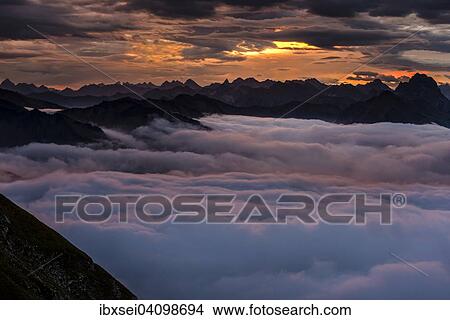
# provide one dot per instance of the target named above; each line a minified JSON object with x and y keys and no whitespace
{"x":247,"y":155}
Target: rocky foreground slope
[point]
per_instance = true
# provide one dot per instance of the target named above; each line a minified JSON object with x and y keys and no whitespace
{"x":38,"y":263}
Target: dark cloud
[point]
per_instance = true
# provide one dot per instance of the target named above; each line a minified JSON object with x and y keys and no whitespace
{"x":53,"y":19}
{"x":15,"y":16}
{"x":329,"y":38}
{"x":18,"y":54}
{"x":194,"y":9}
{"x":217,"y":42}
{"x":365,"y":23}
{"x":199,"y":30}
{"x":436,"y":11}
{"x":201,"y":53}
{"x":262,"y":14}
{"x":176,"y":9}
{"x":331,"y":58}
{"x":334,"y":8}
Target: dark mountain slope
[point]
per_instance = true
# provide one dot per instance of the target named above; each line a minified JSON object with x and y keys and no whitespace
{"x":78,"y":101}
{"x":20,"y":127}
{"x":198,"y":106}
{"x":445,"y":89}
{"x":418,"y":101}
{"x":250,"y":93}
{"x":38,"y":263}
{"x":387,"y":107}
{"x":103,"y":90}
{"x":25,"y":101}
{"x":422,"y":93}
{"x":128,"y":113}
{"x":69,"y":102}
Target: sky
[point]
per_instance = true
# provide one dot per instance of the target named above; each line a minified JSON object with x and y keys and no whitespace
{"x":246,"y":155}
{"x":213,"y":40}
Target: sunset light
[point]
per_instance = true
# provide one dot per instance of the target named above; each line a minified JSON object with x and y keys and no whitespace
{"x":224,"y":159}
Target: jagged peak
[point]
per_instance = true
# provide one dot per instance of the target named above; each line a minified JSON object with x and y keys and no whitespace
{"x":421,"y":89}
{"x":171,"y":82}
{"x":191,"y":84}
{"x":248,"y":82}
{"x":314,"y":82}
{"x":377,"y":83}
{"x":419,"y":81}
{"x":24,"y":84}
{"x":7,"y":82}
{"x":189,"y":81}
{"x":423,"y":79}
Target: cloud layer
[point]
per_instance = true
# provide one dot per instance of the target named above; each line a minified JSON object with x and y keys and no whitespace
{"x":253,"y":155}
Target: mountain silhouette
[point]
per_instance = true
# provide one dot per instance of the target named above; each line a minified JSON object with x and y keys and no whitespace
{"x":128,"y":114}
{"x":25,"y":101}
{"x":23,"y":88}
{"x":19,"y":126}
{"x":240,"y":92}
{"x":418,"y":101}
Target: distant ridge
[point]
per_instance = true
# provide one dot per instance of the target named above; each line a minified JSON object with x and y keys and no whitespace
{"x":18,"y":127}
{"x":19,"y":99}
{"x":240,"y":92}
{"x":418,"y":101}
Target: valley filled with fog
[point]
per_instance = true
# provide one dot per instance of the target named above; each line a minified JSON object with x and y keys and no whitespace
{"x":248,"y":155}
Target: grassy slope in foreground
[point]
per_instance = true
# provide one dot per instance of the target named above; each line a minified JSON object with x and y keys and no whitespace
{"x":26,"y":244}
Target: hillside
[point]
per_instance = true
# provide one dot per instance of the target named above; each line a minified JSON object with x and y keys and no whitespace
{"x":20,"y":127}
{"x":38,"y":263}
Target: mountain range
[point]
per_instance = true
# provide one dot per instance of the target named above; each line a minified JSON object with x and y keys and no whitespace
{"x":240,"y":92}
{"x":418,"y":101}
